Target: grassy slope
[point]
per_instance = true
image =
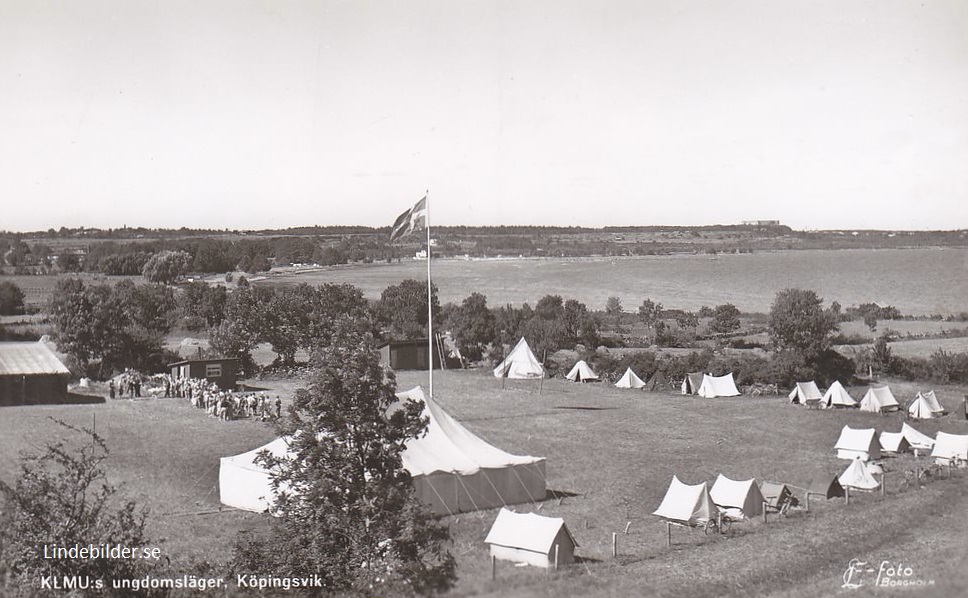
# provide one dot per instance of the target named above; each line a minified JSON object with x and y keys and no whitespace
{"x":615,"y":450}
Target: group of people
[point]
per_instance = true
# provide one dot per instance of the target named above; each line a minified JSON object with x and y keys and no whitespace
{"x":128,"y":383}
{"x":223,"y":404}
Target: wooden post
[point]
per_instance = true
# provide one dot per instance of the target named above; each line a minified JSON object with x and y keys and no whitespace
{"x":614,"y":545}
{"x":846,"y":495}
{"x":807,"y":499}
{"x":493,"y":567}
{"x":543,"y":358}
{"x":765,"y":504}
{"x":884,"y":483}
{"x":627,"y":526}
{"x":668,"y":534}
{"x":556,"y":557}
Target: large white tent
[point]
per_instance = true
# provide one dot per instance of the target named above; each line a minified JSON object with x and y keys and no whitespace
{"x":629,"y":380}
{"x":855,"y":443}
{"x":925,"y":406}
{"x":520,"y":363}
{"x":950,"y":448}
{"x":453,"y":470}
{"x":806,"y":393}
{"x":738,"y":498}
{"x":582,"y":372}
{"x":718,"y":386}
{"x":879,"y":399}
{"x":858,"y":476}
{"x":916,"y":439}
{"x":687,"y":504}
{"x":837,"y":397}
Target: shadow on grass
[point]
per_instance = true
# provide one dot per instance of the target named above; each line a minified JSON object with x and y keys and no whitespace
{"x":74,"y":398}
{"x":252,"y":388}
{"x":557,"y":494}
{"x":581,"y":408}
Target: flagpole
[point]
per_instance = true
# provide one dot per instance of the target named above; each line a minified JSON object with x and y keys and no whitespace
{"x":430,"y":312}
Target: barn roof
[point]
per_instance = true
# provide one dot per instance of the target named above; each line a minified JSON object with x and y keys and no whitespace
{"x":28,"y":359}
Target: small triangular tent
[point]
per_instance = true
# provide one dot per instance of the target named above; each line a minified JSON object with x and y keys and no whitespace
{"x":805,"y":393}
{"x":453,"y":470}
{"x":825,"y":486}
{"x":530,"y":538}
{"x":950,"y":449}
{"x":837,"y":397}
{"x":658,"y":382}
{"x":857,"y":476}
{"x":916,"y":439}
{"x":692,"y":382}
{"x":718,"y":386}
{"x":777,"y":495}
{"x":520,"y":364}
{"x":894,"y":442}
{"x":879,"y":399}
{"x":687,"y":504}
{"x":920,"y":409}
{"x":582,"y":372}
{"x":738,"y":498}
{"x":629,"y":380}
{"x":855,"y":443}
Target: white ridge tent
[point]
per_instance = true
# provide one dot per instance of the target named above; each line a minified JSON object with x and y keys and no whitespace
{"x":737,"y":498}
{"x":916,"y":439}
{"x":530,"y":538}
{"x":925,"y":406}
{"x":894,"y":442}
{"x":837,"y":397}
{"x":858,"y":477}
{"x":520,"y":364}
{"x":689,"y":505}
{"x":879,"y":399}
{"x":453,"y":470}
{"x":692,"y":382}
{"x":629,"y":380}
{"x":855,"y":443}
{"x":718,"y":386}
{"x":950,"y":448}
{"x":806,"y":393}
{"x":582,"y":372}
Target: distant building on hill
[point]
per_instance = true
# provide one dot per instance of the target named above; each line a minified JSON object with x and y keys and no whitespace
{"x":760,"y":223}
{"x":223,"y":371}
{"x":30,"y":373}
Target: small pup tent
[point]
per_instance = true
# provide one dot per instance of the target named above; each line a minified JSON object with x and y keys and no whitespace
{"x":582,"y":372}
{"x":806,"y":393}
{"x":925,"y":406}
{"x":532,"y":539}
{"x":777,"y":496}
{"x":692,"y":382}
{"x":826,"y":486}
{"x":718,"y":386}
{"x":658,"y":382}
{"x":858,"y":443}
{"x":894,"y":442}
{"x":858,"y":476}
{"x":742,"y":498}
{"x":916,"y":439}
{"x":520,"y":364}
{"x":453,"y":470}
{"x":950,"y":449}
{"x":837,"y":397}
{"x":879,"y":399}
{"x":688,"y":505}
{"x":629,"y":380}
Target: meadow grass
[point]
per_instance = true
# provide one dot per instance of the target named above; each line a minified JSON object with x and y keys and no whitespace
{"x":610,"y":453}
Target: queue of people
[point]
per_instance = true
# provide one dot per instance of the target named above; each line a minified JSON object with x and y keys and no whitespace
{"x":224,"y":405}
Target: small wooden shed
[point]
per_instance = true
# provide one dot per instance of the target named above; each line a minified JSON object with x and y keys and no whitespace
{"x":407,"y":355}
{"x":223,"y":371}
{"x":531,"y":539}
{"x":30,"y":373}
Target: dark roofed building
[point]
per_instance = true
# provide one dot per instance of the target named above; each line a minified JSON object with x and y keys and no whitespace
{"x":407,"y":355}
{"x":30,"y":373}
{"x":223,"y":371}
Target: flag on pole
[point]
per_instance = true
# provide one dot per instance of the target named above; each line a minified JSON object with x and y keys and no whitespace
{"x":413,"y":219}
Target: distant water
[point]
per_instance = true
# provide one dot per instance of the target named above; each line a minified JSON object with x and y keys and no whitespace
{"x":916,"y":281}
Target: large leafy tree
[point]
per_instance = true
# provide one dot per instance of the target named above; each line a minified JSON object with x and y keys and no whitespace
{"x":346,"y":508}
{"x":167,"y":266}
{"x":799,"y":322}
{"x":11,"y":299}
{"x":89,"y":325}
{"x":403,"y":308}
{"x":473,"y":326}
{"x":725,"y":319}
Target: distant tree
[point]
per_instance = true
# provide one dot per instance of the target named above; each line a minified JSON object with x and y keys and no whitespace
{"x":649,"y":313}
{"x":150,"y":306}
{"x":203,"y":305}
{"x":687,"y":320}
{"x":403,"y":308}
{"x":346,"y":507}
{"x":473,"y":326}
{"x":11,"y":299}
{"x":705,"y":312}
{"x":89,"y":325}
{"x":725,"y":319}
{"x":68,"y":262}
{"x":881,"y":355}
{"x":870,"y":320}
{"x":799,"y":322}
{"x":613,"y":306}
{"x":166,"y":267}
{"x":62,"y":496}
{"x":550,"y":307}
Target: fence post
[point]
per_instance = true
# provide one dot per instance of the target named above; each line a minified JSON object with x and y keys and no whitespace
{"x":556,"y":557}
{"x":765,"y":504}
{"x":807,"y":498}
{"x":493,"y":567}
{"x":846,"y":495}
{"x":668,"y":535}
{"x":614,"y":544}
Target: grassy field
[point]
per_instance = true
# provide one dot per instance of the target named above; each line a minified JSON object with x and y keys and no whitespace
{"x":611,"y":454}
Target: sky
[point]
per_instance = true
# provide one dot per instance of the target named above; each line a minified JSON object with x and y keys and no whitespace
{"x":245,"y":114}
